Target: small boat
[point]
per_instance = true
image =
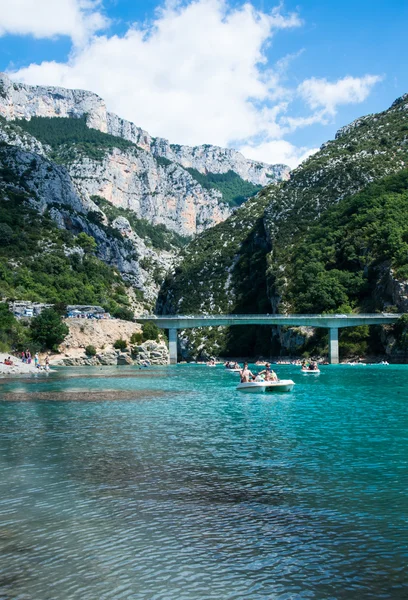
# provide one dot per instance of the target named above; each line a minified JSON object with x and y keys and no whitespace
{"x":233,"y":370}
{"x":310,"y":371}
{"x":258,"y":387}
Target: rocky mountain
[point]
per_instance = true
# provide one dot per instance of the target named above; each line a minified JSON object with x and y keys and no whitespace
{"x":140,"y":198}
{"x":148,"y":175}
{"x":332,"y":238}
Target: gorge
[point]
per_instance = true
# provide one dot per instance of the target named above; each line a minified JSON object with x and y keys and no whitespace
{"x":95,"y":210}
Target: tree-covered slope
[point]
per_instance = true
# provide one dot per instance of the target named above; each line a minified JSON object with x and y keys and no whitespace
{"x":233,"y":188}
{"x":334,"y":235}
{"x":71,"y":137}
{"x":40,"y":262}
{"x":365,"y":151}
{"x":222,"y":270}
{"x":347,"y":258}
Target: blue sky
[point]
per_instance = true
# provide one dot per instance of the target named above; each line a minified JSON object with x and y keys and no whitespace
{"x":273,"y":80}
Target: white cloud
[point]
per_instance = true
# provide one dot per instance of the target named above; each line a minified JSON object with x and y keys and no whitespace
{"x":278,"y":151}
{"x":77,"y":19}
{"x":321,"y":93}
{"x":196,"y":74}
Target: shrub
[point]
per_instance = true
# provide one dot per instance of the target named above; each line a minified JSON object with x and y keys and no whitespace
{"x":48,"y":330}
{"x":86,"y":242}
{"x":90,"y":350}
{"x":123,"y":313}
{"x":136,"y":338}
{"x":120,"y":344}
{"x":150,"y":331}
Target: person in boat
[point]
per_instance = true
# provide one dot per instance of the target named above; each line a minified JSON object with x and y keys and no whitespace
{"x":313,"y":366}
{"x":246,"y":374}
{"x":268,"y":373}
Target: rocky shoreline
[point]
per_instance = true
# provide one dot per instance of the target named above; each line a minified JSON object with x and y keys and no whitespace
{"x":148,"y":353}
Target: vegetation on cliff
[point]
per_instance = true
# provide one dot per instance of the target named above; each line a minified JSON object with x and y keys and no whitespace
{"x":334,"y":235}
{"x":40,"y":262}
{"x":338,"y":263}
{"x":69,"y":137}
{"x":234,"y":189}
{"x":158,"y":236}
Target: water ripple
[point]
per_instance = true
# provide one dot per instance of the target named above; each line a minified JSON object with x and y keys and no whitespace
{"x":204,"y":494}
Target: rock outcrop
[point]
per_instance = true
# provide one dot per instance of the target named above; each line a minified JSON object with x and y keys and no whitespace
{"x":102,"y":335}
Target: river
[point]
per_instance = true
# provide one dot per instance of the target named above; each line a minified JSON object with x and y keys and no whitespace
{"x":167,"y":484}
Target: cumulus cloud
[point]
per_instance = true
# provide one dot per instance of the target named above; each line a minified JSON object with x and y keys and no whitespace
{"x":77,"y":19}
{"x":321,"y":93}
{"x":278,"y":151}
{"x":196,"y":74}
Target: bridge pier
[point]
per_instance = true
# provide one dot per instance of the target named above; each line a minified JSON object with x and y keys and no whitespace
{"x":334,"y":345}
{"x":173,"y":346}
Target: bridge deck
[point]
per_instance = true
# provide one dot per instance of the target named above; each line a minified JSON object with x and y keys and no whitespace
{"x":326,"y":321}
{"x":331,"y":322}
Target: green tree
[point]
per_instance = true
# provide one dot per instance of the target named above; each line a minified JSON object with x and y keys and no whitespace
{"x":86,"y":242}
{"x":48,"y":330}
{"x":90,"y":350}
{"x":6,"y":234}
{"x":7,"y":319}
{"x":123,"y":313}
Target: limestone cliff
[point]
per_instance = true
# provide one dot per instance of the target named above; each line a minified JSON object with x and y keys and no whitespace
{"x":149,"y":177}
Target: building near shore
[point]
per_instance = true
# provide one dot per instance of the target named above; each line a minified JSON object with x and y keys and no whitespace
{"x":86,"y":311}
{"x":27,"y":309}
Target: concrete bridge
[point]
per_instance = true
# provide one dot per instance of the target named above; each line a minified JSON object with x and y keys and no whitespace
{"x":331,"y":322}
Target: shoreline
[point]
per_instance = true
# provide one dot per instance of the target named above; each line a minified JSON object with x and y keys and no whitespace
{"x":18,"y":367}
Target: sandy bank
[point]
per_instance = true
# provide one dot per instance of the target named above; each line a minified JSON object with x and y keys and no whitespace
{"x":18,"y":367}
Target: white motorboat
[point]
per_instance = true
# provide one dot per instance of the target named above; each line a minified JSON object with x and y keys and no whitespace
{"x":258,"y":387}
{"x":310,"y":371}
{"x":233,"y":370}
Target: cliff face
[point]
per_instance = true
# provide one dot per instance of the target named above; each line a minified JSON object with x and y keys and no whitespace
{"x":162,"y":194}
{"x":52,"y":191}
{"x":149,"y":178}
{"x":95,"y":173}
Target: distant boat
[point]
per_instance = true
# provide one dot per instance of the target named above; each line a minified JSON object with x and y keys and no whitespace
{"x":238,"y":370}
{"x":259,"y":387}
{"x":310,"y":371}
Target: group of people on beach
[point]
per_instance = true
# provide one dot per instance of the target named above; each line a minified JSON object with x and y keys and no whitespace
{"x":27,"y":358}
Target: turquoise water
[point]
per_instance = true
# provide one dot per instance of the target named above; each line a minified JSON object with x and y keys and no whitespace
{"x":180,"y":488}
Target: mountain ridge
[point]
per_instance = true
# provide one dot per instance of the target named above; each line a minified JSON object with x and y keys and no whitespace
{"x":25,"y":101}
{"x":369,"y":150}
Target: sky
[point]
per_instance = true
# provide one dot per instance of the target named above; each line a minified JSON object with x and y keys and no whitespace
{"x":273,"y":80}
